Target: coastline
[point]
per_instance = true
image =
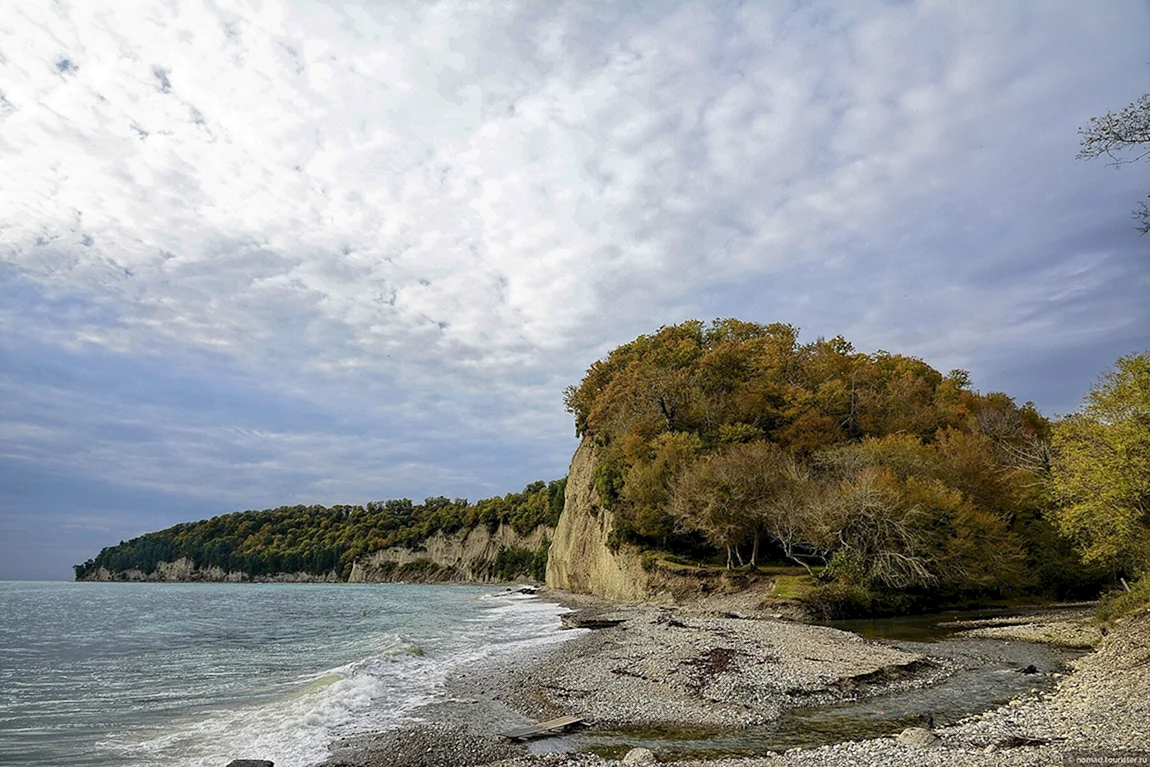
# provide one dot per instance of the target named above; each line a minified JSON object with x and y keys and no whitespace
{"x":695,"y":666}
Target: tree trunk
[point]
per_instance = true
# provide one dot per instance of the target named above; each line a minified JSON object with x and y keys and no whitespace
{"x":755,"y":551}
{"x":729,"y":567}
{"x":795,"y":559}
{"x":739,"y":556}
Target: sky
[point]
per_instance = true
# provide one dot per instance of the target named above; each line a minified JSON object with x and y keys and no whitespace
{"x":263,"y":253}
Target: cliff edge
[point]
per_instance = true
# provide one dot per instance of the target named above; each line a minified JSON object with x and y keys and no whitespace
{"x":582,"y":558}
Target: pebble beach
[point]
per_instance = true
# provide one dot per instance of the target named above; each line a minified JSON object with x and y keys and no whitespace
{"x":698,"y":666}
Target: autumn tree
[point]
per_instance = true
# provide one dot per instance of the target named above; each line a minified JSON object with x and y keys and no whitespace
{"x":894,"y":475}
{"x":651,"y":480}
{"x":800,"y":515}
{"x":1101,"y":472}
{"x":704,"y":502}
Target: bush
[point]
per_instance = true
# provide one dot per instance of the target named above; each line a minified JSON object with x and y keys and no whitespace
{"x":1118,"y":604}
{"x":831,"y":601}
{"x":514,"y":562}
{"x":608,"y":481}
{"x":539,"y":561}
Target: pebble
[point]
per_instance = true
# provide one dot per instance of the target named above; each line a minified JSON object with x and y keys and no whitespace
{"x":1103,"y":705}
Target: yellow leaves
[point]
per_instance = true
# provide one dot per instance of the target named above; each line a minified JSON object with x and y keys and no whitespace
{"x":1101,"y":472}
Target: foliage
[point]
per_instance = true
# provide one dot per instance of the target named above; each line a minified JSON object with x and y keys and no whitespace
{"x":319,"y":539}
{"x":512,"y":562}
{"x":832,"y":601}
{"x":1101,"y":472}
{"x":1119,"y":604}
{"x":890,"y":475}
{"x":1052,"y":565}
{"x":1115,"y":133}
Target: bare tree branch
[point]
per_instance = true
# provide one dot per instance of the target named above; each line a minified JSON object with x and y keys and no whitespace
{"x":1124,"y":137}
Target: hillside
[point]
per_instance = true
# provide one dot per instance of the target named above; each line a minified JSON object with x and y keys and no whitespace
{"x":325,"y":543}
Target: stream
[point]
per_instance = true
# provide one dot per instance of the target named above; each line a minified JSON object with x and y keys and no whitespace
{"x":987,"y":675}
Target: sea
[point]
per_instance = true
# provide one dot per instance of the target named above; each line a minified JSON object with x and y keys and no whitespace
{"x":195,"y":675}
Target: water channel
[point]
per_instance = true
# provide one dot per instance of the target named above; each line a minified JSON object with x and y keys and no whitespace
{"x":986,"y":673}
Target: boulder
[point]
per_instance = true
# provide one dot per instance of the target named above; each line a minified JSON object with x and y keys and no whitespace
{"x":250,"y":763}
{"x":918,"y":737}
{"x":639,"y":756}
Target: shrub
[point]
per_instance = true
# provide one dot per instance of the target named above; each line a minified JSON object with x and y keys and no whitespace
{"x":516,"y":562}
{"x":831,"y":601}
{"x":1118,"y":604}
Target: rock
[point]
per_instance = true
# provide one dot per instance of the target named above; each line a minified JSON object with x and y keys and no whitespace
{"x":639,"y":756}
{"x":250,"y":763}
{"x":918,"y":737}
{"x":1031,"y":669}
{"x":465,"y":555}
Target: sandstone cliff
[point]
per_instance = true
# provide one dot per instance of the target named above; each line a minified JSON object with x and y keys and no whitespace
{"x":581,"y":559}
{"x":467,"y":556}
{"x":183,"y":571}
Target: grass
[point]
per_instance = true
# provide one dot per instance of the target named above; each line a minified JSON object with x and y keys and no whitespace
{"x":793,"y":586}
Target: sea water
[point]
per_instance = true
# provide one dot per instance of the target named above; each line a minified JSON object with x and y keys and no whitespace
{"x":195,"y":675}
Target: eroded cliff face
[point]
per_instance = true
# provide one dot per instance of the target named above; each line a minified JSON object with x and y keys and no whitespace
{"x":581,"y":559}
{"x":184,"y":571}
{"x":467,"y":556}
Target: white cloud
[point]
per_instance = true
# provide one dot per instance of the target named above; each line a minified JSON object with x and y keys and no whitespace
{"x":445,"y":211}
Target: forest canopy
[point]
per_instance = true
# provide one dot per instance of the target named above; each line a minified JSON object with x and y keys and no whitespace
{"x":875,"y":470}
{"x":322,"y":539}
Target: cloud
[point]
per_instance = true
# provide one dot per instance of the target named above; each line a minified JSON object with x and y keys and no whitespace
{"x":391,"y":234}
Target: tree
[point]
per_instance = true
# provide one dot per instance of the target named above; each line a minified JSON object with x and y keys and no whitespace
{"x":797,"y":517}
{"x":703,"y":503}
{"x":1124,"y":137}
{"x":881,"y":537}
{"x":1101,"y":472}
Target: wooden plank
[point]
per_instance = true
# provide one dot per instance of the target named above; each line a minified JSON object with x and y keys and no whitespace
{"x":543,"y":728}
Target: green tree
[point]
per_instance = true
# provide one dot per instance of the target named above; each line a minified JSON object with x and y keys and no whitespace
{"x":1101,"y":471}
{"x":1124,"y":137}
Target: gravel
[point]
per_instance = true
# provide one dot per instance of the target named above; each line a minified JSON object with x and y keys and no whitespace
{"x":1065,"y":630}
{"x":419,"y":744}
{"x":666,"y":666}
{"x":662,"y":667}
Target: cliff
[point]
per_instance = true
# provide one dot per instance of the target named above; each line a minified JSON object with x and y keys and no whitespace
{"x":184,"y":571}
{"x":581,"y":558}
{"x":475,"y":555}
{"x":466,"y":556}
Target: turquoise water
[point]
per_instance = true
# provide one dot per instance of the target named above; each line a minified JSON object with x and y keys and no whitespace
{"x":194,"y":675}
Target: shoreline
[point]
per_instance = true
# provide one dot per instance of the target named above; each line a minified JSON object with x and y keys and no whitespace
{"x":672,"y":667}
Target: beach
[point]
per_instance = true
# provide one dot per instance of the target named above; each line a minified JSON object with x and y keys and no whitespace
{"x":719,"y":667}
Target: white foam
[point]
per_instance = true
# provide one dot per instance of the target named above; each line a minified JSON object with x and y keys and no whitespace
{"x":373,"y":693}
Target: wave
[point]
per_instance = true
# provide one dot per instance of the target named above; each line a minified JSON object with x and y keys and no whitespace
{"x":293,"y":726}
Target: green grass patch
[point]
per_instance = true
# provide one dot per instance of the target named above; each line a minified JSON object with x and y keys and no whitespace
{"x":793,"y":586}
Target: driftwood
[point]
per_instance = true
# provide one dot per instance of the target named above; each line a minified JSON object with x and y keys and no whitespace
{"x":543,"y":728}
